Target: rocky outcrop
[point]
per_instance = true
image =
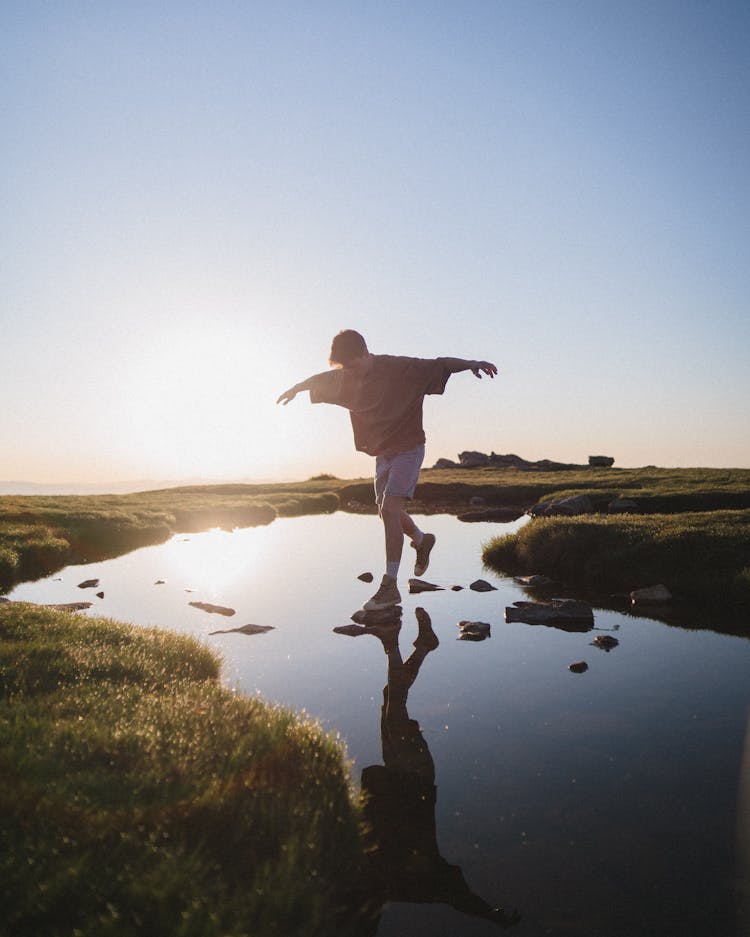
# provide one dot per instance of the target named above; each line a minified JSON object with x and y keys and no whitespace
{"x":623,"y":506}
{"x":601,"y":461}
{"x":473,"y":459}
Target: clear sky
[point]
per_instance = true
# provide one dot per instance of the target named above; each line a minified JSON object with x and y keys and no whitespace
{"x":196,"y":196}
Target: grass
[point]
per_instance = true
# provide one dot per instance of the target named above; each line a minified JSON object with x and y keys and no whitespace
{"x":139,"y":796}
{"x":698,"y":556}
{"x":39,"y":535}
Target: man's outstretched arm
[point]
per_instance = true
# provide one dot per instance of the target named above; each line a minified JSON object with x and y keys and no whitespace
{"x":307,"y":384}
{"x":478,"y":368}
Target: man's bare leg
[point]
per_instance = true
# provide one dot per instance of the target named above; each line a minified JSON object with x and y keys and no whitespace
{"x":390,"y":513}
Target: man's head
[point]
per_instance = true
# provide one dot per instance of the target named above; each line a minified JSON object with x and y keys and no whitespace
{"x":347,"y":348}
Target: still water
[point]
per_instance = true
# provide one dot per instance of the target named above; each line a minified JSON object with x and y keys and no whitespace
{"x":613,"y":802}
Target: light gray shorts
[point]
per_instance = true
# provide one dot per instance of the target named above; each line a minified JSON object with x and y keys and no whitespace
{"x":397,"y":475}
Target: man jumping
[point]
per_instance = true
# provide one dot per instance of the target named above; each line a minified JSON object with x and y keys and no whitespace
{"x":384,"y":395}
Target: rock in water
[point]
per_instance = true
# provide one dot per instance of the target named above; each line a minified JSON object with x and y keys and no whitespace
{"x":365,"y":577}
{"x":246,"y":629}
{"x":566,"y":611}
{"x":380,"y":616}
{"x":579,"y":667}
{"x":651,"y":595}
{"x":214,"y":609}
{"x":473,"y":630}
{"x":605,"y":642}
{"x":480,"y":585}
{"x":419,"y":585}
{"x":352,"y":630}
{"x":88,"y":584}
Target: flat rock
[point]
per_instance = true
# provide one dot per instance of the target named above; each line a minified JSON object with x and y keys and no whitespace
{"x":420,"y":585}
{"x":564,"y":507}
{"x":497,"y":514}
{"x":481,"y":585}
{"x":246,"y":629}
{"x":473,"y":630}
{"x":213,"y":609}
{"x":535,"y":581}
{"x":88,"y":584}
{"x":380,"y":616}
{"x":651,"y":595}
{"x":566,"y":611}
{"x":352,"y":630}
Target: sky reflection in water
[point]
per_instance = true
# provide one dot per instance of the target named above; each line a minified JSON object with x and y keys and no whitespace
{"x":597,"y":804}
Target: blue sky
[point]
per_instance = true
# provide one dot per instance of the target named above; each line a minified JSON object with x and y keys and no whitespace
{"x":197,"y":196}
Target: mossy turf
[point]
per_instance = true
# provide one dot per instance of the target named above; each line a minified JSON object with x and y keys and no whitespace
{"x":140,"y":797}
{"x":701,"y":557}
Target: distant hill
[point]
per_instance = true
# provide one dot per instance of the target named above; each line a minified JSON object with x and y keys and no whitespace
{"x":113,"y":488}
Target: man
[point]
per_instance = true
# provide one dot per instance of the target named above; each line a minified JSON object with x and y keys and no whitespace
{"x":384,"y":396}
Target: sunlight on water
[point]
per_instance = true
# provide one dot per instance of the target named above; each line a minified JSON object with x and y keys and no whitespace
{"x":573,"y":797}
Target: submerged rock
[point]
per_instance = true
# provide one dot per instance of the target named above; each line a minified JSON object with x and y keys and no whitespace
{"x":480,"y":585}
{"x":558,"y":611}
{"x":213,"y":609}
{"x":420,"y":585}
{"x":246,"y":629}
{"x":605,"y":642}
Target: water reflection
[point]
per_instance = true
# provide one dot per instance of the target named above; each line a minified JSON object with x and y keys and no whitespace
{"x":403,"y":860}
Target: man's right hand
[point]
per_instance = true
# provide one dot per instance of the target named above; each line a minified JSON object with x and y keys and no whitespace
{"x":287,"y":396}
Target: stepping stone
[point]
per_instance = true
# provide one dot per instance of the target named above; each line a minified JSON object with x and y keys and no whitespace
{"x":480,"y":585}
{"x":605,"y":642}
{"x":246,"y":629}
{"x":352,"y":630}
{"x":474,"y":630}
{"x":419,"y":585}
{"x":214,"y":609}
{"x":381,"y":616}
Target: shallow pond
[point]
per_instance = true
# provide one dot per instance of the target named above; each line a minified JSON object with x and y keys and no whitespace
{"x":613,"y":802}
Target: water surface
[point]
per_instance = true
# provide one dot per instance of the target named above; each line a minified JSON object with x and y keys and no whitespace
{"x":614,"y":802}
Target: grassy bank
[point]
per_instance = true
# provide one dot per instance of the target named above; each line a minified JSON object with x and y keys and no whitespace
{"x":699,"y":556}
{"x":138,"y":796}
{"x":39,"y":535}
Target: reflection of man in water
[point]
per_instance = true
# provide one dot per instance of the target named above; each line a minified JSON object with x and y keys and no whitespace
{"x":403,"y":858}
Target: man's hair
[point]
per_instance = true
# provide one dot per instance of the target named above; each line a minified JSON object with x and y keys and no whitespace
{"x":346,"y":346}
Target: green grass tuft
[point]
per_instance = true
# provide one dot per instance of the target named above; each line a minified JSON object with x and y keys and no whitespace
{"x":139,"y":796}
